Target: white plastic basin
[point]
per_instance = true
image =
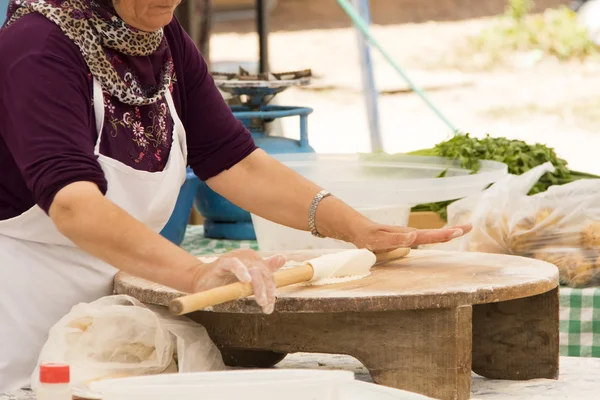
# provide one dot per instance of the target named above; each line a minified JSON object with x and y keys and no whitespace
{"x":275,"y":237}
{"x":283,"y":384}
{"x":229,"y":385}
{"x":408,"y":179}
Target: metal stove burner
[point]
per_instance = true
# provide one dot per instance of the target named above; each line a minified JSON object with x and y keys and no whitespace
{"x":244,"y":75}
{"x":258,"y":90}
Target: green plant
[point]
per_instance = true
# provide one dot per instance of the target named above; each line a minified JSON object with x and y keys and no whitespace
{"x":519,"y":9}
{"x":555,"y":32}
{"x":518,"y":155}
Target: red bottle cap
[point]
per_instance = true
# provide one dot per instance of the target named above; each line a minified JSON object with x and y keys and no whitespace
{"x":55,"y":373}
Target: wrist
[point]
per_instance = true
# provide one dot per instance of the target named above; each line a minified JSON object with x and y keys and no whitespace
{"x":336,"y":220}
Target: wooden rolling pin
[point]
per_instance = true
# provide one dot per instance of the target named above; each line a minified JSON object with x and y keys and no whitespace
{"x":344,"y":263}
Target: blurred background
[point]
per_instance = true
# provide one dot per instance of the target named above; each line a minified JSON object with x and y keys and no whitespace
{"x":512,"y":68}
{"x":517,"y":69}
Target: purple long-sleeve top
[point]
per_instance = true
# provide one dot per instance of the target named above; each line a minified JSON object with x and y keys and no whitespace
{"x":47,"y":124}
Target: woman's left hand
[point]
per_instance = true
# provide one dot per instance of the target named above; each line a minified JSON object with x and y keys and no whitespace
{"x":383,"y":238}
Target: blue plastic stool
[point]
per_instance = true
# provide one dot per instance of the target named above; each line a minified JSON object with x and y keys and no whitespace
{"x":177,"y":224}
{"x":225,"y":220}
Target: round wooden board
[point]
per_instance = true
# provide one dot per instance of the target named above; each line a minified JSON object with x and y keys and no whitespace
{"x":422,"y":280}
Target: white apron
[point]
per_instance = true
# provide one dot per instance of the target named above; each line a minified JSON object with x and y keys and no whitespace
{"x":43,"y":274}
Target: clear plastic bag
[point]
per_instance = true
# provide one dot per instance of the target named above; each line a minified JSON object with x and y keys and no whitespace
{"x":118,"y":336}
{"x":560,"y":226}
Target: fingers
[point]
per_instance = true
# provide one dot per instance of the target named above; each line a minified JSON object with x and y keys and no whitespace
{"x":249,"y":267}
{"x":384,"y":238}
{"x":387,"y":238}
{"x":239,"y":269}
{"x":260,"y":293}
{"x":270,"y":288}
{"x":388,"y":241}
{"x":263,"y":286}
{"x":438,"y":236}
{"x":465,"y":228}
{"x":276,"y":262}
{"x":402,"y":239}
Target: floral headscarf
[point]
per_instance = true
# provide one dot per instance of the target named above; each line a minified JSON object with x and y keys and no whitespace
{"x":96,"y":29}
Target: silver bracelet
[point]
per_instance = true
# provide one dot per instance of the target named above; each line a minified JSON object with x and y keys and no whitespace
{"x":312,"y":212}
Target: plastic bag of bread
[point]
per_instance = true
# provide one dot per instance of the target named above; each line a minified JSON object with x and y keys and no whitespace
{"x":487,"y":211}
{"x":118,"y":336}
{"x":560,"y":226}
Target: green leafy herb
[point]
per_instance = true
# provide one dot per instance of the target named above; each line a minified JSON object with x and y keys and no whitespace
{"x":440,"y":208}
{"x":519,"y":156}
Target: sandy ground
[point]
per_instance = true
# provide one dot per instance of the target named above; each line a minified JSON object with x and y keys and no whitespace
{"x":549,"y":102}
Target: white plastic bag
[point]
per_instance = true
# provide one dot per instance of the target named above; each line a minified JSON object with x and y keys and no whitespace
{"x":560,"y":226}
{"x":489,"y":211}
{"x":489,"y":205}
{"x":195,"y":351}
{"x":118,"y":336}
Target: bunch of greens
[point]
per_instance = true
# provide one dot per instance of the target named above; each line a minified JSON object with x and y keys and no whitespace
{"x":519,"y":156}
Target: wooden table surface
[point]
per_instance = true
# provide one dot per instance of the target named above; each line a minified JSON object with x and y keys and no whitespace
{"x":422,"y":280}
{"x":421,"y":324}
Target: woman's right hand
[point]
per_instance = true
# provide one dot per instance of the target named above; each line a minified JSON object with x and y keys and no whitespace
{"x":244,"y":266}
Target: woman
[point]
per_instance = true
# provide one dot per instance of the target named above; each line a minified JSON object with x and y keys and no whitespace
{"x":103,"y":103}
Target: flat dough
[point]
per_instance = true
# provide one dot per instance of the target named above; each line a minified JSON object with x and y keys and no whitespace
{"x":333,"y":281}
{"x":351,"y":265}
{"x":347,"y":263}
{"x":324,"y":281}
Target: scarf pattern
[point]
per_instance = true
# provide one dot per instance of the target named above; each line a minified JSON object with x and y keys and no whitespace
{"x":135,"y":69}
{"x":95,"y":28}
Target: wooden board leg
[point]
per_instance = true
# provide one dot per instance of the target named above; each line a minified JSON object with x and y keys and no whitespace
{"x":425,"y":351}
{"x":433,"y":360}
{"x":517,"y":339}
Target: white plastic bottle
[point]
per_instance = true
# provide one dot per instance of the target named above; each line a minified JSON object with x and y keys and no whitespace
{"x":55,"y":382}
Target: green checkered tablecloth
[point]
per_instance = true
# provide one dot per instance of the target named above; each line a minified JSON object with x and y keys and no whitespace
{"x":580,"y":322}
{"x":198,"y":245}
{"x":579,"y":308}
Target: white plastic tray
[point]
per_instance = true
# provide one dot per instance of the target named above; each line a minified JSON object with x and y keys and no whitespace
{"x":228,"y":385}
{"x":357,"y":390}
{"x":409,"y":180}
{"x":249,"y":385}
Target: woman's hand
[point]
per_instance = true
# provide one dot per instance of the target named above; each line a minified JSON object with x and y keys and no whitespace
{"x":383,"y":238}
{"x":244,"y":266}
{"x":97,"y":226}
